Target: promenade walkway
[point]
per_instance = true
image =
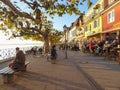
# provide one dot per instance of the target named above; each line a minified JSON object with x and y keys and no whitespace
{"x":78,"y":72}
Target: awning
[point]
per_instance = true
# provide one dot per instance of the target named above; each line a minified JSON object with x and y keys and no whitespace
{"x":111,"y":30}
{"x":94,"y":34}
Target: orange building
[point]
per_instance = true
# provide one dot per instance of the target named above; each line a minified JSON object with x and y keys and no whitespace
{"x":111,"y":20}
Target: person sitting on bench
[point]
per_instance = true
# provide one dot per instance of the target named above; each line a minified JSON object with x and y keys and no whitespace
{"x":19,"y":61}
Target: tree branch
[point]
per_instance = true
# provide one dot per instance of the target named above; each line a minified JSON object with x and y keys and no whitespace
{"x":29,"y":4}
{"x":16,"y":11}
{"x":37,"y":30}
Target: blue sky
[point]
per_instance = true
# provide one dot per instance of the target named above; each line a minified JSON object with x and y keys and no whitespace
{"x":59,"y":22}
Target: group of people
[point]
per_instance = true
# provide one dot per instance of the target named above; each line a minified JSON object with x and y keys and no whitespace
{"x":99,"y":47}
{"x":34,"y":50}
{"x":73,"y":47}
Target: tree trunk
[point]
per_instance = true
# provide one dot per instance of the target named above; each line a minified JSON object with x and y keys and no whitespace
{"x":50,"y":42}
{"x":46,"y":45}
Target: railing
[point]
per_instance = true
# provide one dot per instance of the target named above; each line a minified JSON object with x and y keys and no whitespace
{"x":10,"y":52}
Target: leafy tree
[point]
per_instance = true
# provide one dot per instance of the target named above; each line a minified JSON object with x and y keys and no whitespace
{"x":32,"y":22}
{"x":55,"y":36}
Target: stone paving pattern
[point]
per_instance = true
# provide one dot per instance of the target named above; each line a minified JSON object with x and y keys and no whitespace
{"x":64,"y":75}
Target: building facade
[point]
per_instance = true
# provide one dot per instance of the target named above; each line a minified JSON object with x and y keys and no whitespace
{"x":93,"y":22}
{"x":100,"y":22}
{"x":111,"y":20}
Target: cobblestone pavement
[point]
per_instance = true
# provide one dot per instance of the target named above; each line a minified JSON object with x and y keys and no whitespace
{"x":78,"y":72}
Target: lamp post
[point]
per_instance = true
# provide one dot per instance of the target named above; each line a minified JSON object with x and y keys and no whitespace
{"x":65,"y":30}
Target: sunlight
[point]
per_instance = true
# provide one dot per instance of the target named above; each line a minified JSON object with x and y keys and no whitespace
{"x":4,"y":40}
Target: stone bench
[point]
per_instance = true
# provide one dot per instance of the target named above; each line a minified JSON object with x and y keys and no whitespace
{"x":7,"y":74}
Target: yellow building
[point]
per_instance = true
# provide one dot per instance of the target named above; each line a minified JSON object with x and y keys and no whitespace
{"x":93,"y":22}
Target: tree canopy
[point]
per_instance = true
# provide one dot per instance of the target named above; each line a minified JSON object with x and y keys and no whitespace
{"x":50,"y":7}
{"x":28,"y":18}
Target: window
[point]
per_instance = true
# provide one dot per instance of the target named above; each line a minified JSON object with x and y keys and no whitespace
{"x":90,"y":27}
{"x":73,"y":33}
{"x":111,"y":1}
{"x":95,"y":23}
{"x":111,"y":16}
{"x":86,"y":28}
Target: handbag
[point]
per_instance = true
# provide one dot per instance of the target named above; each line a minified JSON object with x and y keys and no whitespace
{"x":11,"y":64}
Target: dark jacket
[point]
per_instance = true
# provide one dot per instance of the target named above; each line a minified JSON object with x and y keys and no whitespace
{"x":19,"y":60}
{"x":53,"y":53}
{"x":20,"y":57}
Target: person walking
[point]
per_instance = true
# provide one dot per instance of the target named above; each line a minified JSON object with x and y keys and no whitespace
{"x":53,"y":54}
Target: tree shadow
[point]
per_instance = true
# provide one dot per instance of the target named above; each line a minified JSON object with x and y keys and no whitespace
{"x":14,"y":86}
{"x":63,"y":83}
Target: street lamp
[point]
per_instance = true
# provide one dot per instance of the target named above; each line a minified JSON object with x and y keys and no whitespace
{"x":65,"y":30}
